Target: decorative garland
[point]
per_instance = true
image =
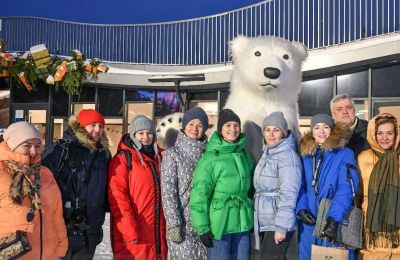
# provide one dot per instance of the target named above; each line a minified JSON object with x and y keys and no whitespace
{"x":37,"y":65}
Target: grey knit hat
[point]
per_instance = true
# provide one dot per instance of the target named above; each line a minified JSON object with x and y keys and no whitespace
{"x":322,"y":118}
{"x":195,"y":113}
{"x":139,"y":123}
{"x":276,"y":119}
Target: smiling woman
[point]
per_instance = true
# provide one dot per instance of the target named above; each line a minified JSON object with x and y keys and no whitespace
{"x":327,"y":164}
{"x":379,"y":167}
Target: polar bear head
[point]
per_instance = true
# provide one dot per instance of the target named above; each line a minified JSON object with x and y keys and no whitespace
{"x":266,"y":65}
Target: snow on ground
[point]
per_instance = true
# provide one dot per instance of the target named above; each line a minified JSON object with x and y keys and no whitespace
{"x":103,"y":250}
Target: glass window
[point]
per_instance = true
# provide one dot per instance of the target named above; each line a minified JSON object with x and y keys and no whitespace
{"x":38,"y":119}
{"x":39,"y":95}
{"x":167,"y":103}
{"x":223,"y":98}
{"x":59,"y":126}
{"x":111,"y":102}
{"x":362,"y":109}
{"x":139,"y":95}
{"x":59,"y":105}
{"x":88,"y":94}
{"x":203,"y":96}
{"x":4,"y":83}
{"x":354,"y":84}
{"x":134,"y":109}
{"x":4,"y":108}
{"x":113,"y":127}
{"x":386,"y":81}
{"x":76,"y":108}
{"x":315,"y":96}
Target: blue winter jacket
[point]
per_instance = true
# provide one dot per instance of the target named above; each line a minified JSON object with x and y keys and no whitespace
{"x":90,"y":183}
{"x":333,"y":183}
{"x":277,"y":180}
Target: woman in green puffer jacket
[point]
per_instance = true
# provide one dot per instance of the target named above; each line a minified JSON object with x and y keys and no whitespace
{"x":220,"y":206}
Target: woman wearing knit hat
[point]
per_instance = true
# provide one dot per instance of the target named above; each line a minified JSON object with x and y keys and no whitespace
{"x":220,"y":207}
{"x":176,"y":179}
{"x":138,"y":224}
{"x":326,"y":162}
{"x":27,"y":190}
{"x":277,"y":181}
{"x":79,"y":163}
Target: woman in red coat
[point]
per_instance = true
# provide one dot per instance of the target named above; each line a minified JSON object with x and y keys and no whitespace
{"x":137,"y":218}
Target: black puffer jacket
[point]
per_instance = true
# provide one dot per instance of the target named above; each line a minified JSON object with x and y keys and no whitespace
{"x":90,"y":178}
{"x":358,"y":141}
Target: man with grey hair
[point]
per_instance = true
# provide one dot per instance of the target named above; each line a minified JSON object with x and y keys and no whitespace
{"x":343,"y":111}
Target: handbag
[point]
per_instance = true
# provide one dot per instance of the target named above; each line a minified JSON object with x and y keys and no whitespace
{"x":14,"y":245}
{"x":349,"y":232}
{"x":328,"y":253}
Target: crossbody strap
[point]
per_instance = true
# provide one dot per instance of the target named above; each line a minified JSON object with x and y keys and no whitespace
{"x":350,"y":179}
{"x":316,"y":171}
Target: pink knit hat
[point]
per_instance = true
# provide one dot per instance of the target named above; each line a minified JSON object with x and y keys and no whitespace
{"x":19,"y":133}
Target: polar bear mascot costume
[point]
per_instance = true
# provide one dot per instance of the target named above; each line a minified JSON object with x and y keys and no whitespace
{"x":266,"y":77}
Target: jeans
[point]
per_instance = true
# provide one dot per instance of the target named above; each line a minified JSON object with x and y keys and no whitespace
{"x":231,"y":246}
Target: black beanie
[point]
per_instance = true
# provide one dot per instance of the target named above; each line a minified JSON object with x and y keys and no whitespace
{"x":226,"y":115}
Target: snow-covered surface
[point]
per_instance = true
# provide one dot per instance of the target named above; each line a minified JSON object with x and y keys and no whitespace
{"x":103,"y":250}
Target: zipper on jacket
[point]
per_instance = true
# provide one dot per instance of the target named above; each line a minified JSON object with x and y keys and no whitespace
{"x":157,"y":213}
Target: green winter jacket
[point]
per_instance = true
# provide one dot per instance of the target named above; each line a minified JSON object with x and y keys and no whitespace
{"x":220,"y":201}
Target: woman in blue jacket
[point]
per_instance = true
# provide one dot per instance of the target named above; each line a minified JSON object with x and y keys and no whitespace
{"x":325,"y":160}
{"x":277,"y":180}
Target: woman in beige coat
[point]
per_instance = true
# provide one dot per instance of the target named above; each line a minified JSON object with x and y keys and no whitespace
{"x":380,"y":184}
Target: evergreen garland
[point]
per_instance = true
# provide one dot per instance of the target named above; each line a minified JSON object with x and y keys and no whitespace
{"x":71,"y":83}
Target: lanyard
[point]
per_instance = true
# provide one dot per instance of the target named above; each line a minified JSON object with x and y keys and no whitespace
{"x":316,"y":173}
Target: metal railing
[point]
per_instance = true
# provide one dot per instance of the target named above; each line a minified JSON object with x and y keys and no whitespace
{"x":316,"y":23}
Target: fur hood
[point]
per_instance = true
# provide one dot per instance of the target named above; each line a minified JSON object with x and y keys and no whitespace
{"x":337,"y":139}
{"x":84,"y":138}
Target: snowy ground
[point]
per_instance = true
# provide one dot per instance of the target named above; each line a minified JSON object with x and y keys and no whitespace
{"x":103,"y":250}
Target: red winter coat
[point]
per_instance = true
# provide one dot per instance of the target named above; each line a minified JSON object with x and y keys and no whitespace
{"x":135,"y":203}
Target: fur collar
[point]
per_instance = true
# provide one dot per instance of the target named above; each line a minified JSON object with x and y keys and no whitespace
{"x":84,"y":138}
{"x":337,"y":139}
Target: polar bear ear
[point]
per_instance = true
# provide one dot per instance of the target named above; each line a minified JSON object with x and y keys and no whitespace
{"x":238,"y":44}
{"x":301,"y":50}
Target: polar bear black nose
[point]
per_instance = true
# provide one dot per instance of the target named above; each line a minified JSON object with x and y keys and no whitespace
{"x":272,"y":73}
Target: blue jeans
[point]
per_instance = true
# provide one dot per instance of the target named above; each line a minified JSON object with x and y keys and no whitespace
{"x":231,"y":246}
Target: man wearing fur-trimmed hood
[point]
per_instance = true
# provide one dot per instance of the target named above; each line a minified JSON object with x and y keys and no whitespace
{"x":326,"y":161}
{"x":79,"y":163}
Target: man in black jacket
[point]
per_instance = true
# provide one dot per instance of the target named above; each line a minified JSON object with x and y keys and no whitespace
{"x":79,"y":163}
{"x":343,"y":111}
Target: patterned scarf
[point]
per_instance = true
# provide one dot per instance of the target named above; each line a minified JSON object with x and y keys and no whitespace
{"x":384,"y":200}
{"x":21,"y":184}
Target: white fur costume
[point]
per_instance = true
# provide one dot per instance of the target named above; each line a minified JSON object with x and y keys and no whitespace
{"x":266,"y":77}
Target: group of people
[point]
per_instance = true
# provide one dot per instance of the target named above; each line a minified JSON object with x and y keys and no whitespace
{"x":202,"y":197}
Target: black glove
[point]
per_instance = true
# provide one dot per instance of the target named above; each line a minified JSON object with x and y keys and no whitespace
{"x":330,"y":229}
{"x":306,"y":217}
{"x":207,"y":239}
